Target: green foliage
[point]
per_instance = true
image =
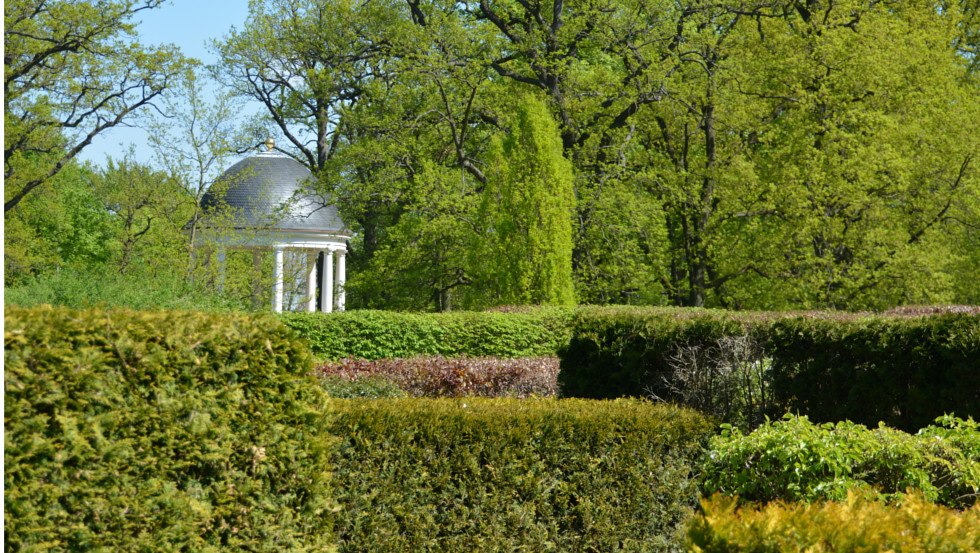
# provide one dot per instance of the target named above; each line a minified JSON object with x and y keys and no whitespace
{"x":379,"y":335}
{"x":615,"y":352}
{"x":915,"y":526}
{"x":530,"y":204}
{"x":796,"y":460}
{"x":372,"y":387}
{"x":507,"y":475}
{"x":161,"y":431}
{"x":904,"y":371}
{"x":62,"y":224}
{"x":80,"y":288}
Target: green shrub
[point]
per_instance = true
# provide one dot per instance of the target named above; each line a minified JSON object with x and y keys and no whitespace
{"x":82,"y":289}
{"x":514,"y":475}
{"x":904,"y":371}
{"x":454,"y":377}
{"x":796,"y":460}
{"x":622,"y":352}
{"x":161,"y":431}
{"x":855,"y":525}
{"x":386,"y":335}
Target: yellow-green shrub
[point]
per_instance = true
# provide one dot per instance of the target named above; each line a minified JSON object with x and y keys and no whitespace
{"x":857,"y":524}
{"x":514,"y":475}
{"x":161,"y":431}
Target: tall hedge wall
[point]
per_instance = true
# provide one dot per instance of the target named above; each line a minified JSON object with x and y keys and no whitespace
{"x":161,"y":431}
{"x":514,"y":475}
{"x":905,"y":371}
{"x":615,"y":352}
{"x":386,"y":334}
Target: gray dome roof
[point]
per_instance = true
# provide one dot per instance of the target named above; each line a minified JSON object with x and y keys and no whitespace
{"x":271,"y":190}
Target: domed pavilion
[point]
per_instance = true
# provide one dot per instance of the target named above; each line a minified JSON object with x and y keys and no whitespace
{"x":267,"y":202}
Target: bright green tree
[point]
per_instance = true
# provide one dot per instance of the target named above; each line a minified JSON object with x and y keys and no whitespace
{"x":529,"y":203}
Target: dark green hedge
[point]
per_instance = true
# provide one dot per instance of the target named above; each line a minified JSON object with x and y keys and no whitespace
{"x":161,"y":431}
{"x":385,"y":334}
{"x":624,"y":351}
{"x":514,"y":475}
{"x":904,"y":371}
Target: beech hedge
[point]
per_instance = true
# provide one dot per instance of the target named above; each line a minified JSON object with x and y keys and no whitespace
{"x":387,"y":334}
{"x":481,"y":474}
{"x":901,"y":370}
{"x":162,"y":431}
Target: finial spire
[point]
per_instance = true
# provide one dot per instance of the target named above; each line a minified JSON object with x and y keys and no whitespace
{"x":270,"y":143}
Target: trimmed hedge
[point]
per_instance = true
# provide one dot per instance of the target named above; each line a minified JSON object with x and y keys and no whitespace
{"x":904,"y":371}
{"x":796,"y":460}
{"x":625,"y":351}
{"x":913,"y":526}
{"x":453,"y":377}
{"x":386,"y":335}
{"x":514,"y":475}
{"x":162,"y":431}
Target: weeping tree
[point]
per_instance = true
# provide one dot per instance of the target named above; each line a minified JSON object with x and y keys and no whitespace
{"x":529,"y":204}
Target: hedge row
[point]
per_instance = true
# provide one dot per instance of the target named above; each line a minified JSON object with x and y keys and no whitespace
{"x":386,"y":334}
{"x":161,"y":431}
{"x":913,"y":526}
{"x":904,"y":371}
{"x":514,"y":475}
{"x":454,"y":377}
{"x":796,"y":460}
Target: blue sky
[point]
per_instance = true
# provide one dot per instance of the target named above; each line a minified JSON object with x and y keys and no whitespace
{"x":189,"y":24}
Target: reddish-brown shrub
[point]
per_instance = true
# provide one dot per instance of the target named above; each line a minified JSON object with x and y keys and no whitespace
{"x":456,"y":377}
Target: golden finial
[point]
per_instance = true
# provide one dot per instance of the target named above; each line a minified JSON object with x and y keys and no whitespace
{"x":270,"y":143}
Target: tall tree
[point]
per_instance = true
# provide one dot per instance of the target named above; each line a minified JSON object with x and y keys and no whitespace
{"x":871,"y":150}
{"x":307,"y":63}
{"x":72,"y":70}
{"x":530,"y":204}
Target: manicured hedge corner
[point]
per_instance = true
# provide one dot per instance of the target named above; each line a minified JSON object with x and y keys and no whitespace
{"x":162,"y":431}
{"x":514,"y":475}
{"x":388,"y":335}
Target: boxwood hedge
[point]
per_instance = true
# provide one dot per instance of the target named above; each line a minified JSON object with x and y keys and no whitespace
{"x":161,"y":431}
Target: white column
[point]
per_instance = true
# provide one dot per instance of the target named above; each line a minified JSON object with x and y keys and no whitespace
{"x":311,"y":282}
{"x":277,"y":276}
{"x":221,"y":270}
{"x":256,"y":279}
{"x":326,"y":284}
{"x":341,"y":279}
